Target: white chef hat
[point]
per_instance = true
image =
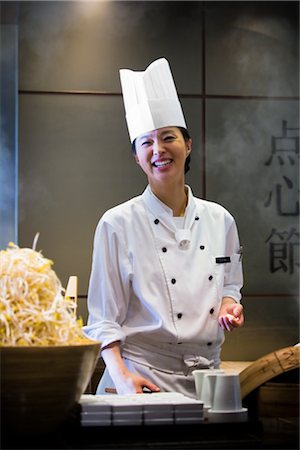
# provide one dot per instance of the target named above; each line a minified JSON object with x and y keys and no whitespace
{"x":150,"y":99}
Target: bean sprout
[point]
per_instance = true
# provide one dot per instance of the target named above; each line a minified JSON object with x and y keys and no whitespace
{"x":33,"y":308}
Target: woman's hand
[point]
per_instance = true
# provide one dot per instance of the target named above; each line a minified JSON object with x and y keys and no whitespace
{"x":231,"y":314}
{"x":129,"y":383}
{"x":125,"y":381}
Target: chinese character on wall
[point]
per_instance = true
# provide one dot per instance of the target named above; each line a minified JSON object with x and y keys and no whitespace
{"x":284,"y":198}
{"x":284,"y":250}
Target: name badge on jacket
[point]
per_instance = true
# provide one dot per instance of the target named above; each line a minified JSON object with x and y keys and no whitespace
{"x":223,"y":259}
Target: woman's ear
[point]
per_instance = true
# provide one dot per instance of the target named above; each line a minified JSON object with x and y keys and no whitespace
{"x":189,"y":146}
{"x":136,"y":159}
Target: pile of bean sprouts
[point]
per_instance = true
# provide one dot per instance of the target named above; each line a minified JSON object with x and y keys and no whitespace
{"x":33,"y":308}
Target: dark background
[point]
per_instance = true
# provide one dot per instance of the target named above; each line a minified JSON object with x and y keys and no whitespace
{"x":65,"y":152}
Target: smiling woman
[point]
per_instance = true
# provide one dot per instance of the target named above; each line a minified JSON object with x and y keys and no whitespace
{"x":166,"y":274}
{"x":161,"y":154}
{"x":186,"y":136}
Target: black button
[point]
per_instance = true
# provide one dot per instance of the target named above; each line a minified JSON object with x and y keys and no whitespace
{"x":209,"y":343}
{"x":164,"y":249}
{"x":202,"y":247}
{"x":156,"y":221}
{"x":196,"y":218}
{"x":173,"y":281}
{"x":210,"y":277}
{"x":211,"y":311}
{"x":179,"y":315}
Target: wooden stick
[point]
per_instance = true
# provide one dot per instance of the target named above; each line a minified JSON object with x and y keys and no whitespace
{"x":72,"y":288}
{"x":110,"y":390}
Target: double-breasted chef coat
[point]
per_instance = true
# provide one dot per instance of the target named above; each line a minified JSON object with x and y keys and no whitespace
{"x":157,"y":285}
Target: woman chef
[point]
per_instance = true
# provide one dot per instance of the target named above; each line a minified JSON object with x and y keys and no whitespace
{"x":166,"y":273}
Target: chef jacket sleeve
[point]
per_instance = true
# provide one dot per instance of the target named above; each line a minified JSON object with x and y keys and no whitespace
{"x":233,"y":276}
{"x":109,"y":286}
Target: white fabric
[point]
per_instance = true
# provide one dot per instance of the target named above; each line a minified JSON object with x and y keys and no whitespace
{"x":178,"y":377}
{"x":150,"y":99}
{"x":132,"y":295}
{"x":166,"y":380}
{"x":179,"y":222}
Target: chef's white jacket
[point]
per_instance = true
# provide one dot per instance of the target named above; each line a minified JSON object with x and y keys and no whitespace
{"x":154,"y":282}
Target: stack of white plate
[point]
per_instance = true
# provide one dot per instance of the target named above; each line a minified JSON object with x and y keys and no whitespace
{"x":163,"y":408}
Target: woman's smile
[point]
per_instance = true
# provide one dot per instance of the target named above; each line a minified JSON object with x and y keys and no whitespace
{"x":162,"y":163}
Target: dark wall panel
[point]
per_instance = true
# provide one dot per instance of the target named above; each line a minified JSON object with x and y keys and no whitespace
{"x":253,"y":170}
{"x":82,"y":45}
{"x":8,"y":133}
{"x":252,"y":48}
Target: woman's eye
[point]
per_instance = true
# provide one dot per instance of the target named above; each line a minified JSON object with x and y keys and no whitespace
{"x":169,"y":138}
{"x":146,"y":143}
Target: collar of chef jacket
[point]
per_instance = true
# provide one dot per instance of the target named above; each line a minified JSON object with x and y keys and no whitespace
{"x":165,"y":216}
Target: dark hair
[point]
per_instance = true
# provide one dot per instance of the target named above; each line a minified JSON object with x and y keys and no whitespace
{"x":186,"y":137}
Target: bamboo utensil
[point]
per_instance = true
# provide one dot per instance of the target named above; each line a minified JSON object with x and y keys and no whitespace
{"x":268,"y":367}
{"x":72,"y":288}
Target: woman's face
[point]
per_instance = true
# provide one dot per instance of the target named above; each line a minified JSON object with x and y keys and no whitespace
{"x":162,"y":153}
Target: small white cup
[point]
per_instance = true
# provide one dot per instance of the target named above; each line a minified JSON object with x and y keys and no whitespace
{"x":227,"y":393}
{"x":208,"y":389}
{"x":199,"y":375}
